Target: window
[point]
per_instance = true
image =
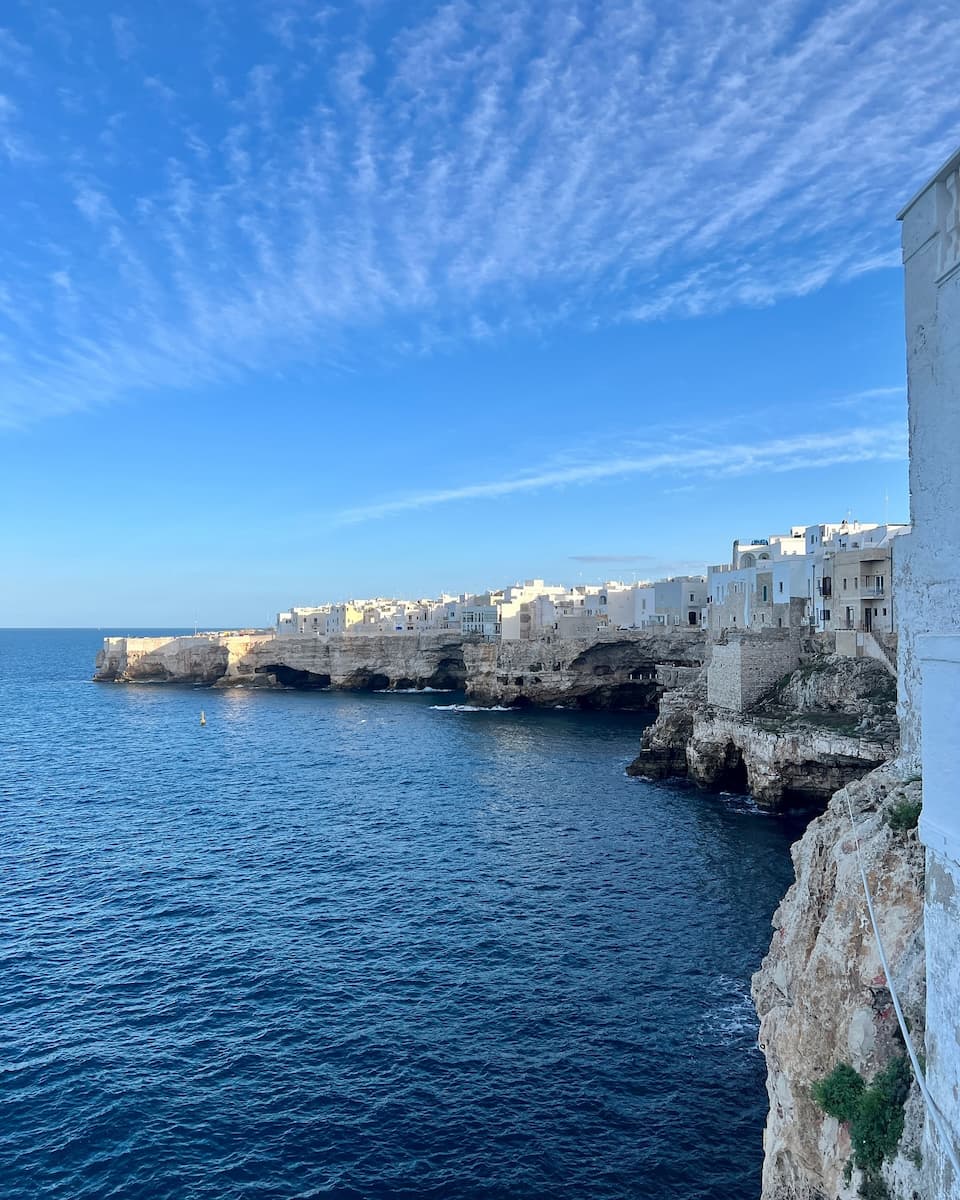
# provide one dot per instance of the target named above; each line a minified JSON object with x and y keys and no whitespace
{"x":844,"y":584}
{"x":764,"y":592}
{"x":826,"y":614}
{"x":781,"y":585}
{"x":884,"y":612}
{"x":691,"y":597}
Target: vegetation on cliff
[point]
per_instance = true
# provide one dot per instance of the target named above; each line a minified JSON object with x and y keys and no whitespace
{"x":874,"y":1115}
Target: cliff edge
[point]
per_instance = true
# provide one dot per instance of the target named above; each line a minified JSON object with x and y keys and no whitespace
{"x":624,"y":670}
{"x":822,"y":996}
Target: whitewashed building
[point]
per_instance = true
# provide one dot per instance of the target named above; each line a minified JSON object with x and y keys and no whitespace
{"x":817,"y":577}
{"x":680,"y":600}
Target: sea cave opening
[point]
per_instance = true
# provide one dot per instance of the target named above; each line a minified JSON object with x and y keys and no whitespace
{"x":731,"y":774}
{"x":291,"y":677}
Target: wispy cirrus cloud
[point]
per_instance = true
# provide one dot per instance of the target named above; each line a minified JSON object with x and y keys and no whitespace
{"x":13,"y":146}
{"x":886,"y":443}
{"x":358,"y":179}
{"x":124,"y":37}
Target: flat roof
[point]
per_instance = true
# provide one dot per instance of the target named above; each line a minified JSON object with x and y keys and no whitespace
{"x":950,"y":165}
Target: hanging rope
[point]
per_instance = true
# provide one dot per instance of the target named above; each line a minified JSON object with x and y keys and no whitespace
{"x":935,"y":1115}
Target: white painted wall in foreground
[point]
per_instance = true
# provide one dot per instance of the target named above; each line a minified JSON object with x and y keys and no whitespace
{"x":927,"y":584}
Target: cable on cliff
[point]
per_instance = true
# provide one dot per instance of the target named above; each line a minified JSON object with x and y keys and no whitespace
{"x":928,"y":1100}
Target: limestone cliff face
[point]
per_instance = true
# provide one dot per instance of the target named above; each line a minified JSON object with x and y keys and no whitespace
{"x":779,"y":765}
{"x":821,"y":993}
{"x":356,"y":663}
{"x":825,"y":724}
{"x":663,"y":746}
{"x":201,"y":659}
{"x":351,"y":663}
{"x":628,"y":670}
{"x":831,"y":685}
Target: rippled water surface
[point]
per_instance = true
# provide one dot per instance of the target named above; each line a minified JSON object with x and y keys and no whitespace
{"x":361,"y":946}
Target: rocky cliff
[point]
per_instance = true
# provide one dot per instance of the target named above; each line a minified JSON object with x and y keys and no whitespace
{"x":830,"y":721}
{"x":822,"y":996}
{"x":626,"y":670}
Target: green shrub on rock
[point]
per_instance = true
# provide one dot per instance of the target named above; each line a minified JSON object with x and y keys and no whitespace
{"x":840,"y":1092}
{"x":904,"y":816}
{"x":875,"y":1114}
{"x":872,"y":1187}
{"x":876,"y":1129}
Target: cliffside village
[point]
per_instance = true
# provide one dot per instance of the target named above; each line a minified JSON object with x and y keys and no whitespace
{"x":816,"y":578}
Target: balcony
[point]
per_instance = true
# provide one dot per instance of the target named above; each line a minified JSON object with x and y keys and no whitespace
{"x":871,"y":591}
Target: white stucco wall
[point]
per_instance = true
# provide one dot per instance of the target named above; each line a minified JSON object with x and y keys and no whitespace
{"x":939,"y":658}
{"x":927,"y":561}
{"x":927,"y":586}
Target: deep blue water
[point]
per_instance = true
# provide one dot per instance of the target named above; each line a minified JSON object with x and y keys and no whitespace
{"x":356,"y":946}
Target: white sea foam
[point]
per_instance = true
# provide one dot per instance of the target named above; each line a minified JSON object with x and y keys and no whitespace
{"x":410,"y":691}
{"x":732,"y":1019}
{"x":745,"y":804}
{"x":472,"y":708}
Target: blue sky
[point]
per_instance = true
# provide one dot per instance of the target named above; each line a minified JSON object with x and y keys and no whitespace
{"x":304,"y":300}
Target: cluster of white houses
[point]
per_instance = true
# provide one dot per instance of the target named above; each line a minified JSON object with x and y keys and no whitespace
{"x":524,"y":610}
{"x":816,"y":577}
{"x":823,"y":578}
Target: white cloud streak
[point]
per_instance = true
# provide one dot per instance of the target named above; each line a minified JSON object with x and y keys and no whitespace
{"x":124,"y":37}
{"x":887,"y":443}
{"x":488,"y":166}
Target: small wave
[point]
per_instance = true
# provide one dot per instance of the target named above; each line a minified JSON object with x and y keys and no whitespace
{"x":472,"y":708}
{"x":410,"y":691}
{"x":732,"y":1020}
{"x":745,"y":804}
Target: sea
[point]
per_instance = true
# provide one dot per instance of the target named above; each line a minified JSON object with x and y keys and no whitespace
{"x":338,"y":945}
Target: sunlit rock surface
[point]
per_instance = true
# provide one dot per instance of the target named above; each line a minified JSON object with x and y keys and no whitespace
{"x":626,"y":670}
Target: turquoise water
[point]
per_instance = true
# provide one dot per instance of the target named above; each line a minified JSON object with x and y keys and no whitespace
{"x":363,"y":946}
